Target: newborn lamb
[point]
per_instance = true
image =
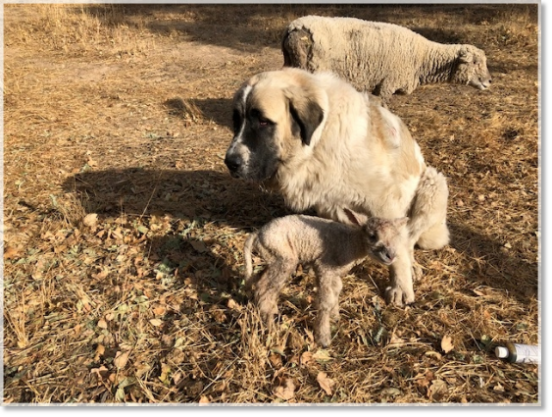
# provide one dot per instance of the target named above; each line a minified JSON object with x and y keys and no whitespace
{"x":332,"y":248}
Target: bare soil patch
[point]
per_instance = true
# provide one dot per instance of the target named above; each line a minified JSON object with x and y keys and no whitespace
{"x":123,"y":231}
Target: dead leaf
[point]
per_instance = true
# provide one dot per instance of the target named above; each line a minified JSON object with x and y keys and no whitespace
{"x":322,"y":355}
{"x":90,"y":220}
{"x":433,"y":354}
{"x":395,"y":340}
{"x":159,"y":311}
{"x":326,"y":383}
{"x":100,"y":350}
{"x":156,"y":322}
{"x":199,"y":246}
{"x":306,"y":357}
{"x":287,"y":392}
{"x":121,"y":359}
{"x":204,"y":400}
{"x":446,"y":344}
{"x":102,"y":324}
{"x":11,"y":253}
{"x":498,"y":388}
{"x":437,"y":390}
{"x":233,"y":304}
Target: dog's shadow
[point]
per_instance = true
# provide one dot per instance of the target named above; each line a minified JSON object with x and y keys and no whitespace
{"x":215,"y":197}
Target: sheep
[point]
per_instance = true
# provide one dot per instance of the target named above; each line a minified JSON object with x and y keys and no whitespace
{"x":332,"y":248}
{"x":380,"y":58}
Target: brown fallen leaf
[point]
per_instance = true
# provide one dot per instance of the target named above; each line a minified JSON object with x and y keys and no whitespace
{"x":11,"y":253}
{"x":306,"y":357}
{"x":156,"y":322}
{"x":446,"y":344}
{"x":121,"y":359}
{"x":199,"y":246}
{"x":100,"y":350}
{"x":204,"y":400}
{"x":287,"y":392}
{"x":437,"y":390}
{"x":90,"y":220}
{"x":102,"y":324}
{"x":233,"y":304}
{"x":325,"y":383}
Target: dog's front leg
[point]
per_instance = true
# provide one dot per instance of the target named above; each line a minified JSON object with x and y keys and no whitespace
{"x":401,"y":291}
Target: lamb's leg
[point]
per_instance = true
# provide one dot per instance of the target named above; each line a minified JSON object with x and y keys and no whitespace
{"x":269,"y":286}
{"x":329,"y":288}
{"x":401,"y":290}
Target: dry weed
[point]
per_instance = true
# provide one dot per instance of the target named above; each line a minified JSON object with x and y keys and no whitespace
{"x":124,"y":232}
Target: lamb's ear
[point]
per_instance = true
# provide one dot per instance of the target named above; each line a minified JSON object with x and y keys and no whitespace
{"x":355,"y":218}
{"x":306,"y":114}
{"x":465,"y":55}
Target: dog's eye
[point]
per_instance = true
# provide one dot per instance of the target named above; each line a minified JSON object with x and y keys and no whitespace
{"x":237,"y":120}
{"x":263,"y":122}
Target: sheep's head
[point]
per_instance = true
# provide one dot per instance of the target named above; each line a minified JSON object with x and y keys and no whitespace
{"x":472,"y":68}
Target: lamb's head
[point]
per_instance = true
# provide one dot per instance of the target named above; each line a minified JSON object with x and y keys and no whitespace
{"x":472,"y":68}
{"x":382,"y":237}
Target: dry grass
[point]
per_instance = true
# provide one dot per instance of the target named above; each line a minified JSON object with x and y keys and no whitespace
{"x":124,"y":111}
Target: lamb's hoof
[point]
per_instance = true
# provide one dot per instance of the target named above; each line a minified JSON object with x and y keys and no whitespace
{"x":395,"y":295}
{"x":323,"y":340}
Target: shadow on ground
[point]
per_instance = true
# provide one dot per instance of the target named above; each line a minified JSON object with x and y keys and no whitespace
{"x":239,"y":27}
{"x":215,"y":197}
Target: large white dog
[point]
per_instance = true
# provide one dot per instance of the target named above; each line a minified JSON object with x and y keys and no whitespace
{"x":324,"y":145}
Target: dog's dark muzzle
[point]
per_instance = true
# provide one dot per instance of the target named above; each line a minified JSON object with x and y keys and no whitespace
{"x":233,"y":162}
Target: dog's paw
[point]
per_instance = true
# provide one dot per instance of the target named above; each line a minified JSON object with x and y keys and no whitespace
{"x":395,"y":295}
{"x":417,"y":272}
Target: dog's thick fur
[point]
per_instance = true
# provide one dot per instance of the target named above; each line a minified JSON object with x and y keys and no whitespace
{"x":324,"y":145}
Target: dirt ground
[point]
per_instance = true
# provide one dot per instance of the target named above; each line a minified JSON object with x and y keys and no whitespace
{"x":123,"y":230}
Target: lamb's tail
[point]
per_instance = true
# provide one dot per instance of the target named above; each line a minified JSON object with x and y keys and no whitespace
{"x":251,"y":240}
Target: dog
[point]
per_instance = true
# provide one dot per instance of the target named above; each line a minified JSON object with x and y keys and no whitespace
{"x":324,"y":145}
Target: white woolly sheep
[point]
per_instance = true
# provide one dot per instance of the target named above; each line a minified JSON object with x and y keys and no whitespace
{"x":331,"y":247}
{"x":380,"y":58}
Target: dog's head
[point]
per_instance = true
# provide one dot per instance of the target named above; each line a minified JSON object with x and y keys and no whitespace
{"x":277,"y":116}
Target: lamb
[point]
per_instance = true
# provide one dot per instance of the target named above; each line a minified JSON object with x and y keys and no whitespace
{"x":331,"y":247}
{"x":380,"y":58}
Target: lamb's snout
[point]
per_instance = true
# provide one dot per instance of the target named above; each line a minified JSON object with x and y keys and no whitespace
{"x":233,"y":161}
{"x":387,"y":256}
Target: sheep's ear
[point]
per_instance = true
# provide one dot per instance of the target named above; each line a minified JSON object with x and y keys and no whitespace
{"x":306,"y":115}
{"x":465,"y":55}
{"x":355,"y":218}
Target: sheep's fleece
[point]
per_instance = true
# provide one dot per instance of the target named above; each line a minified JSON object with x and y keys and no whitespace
{"x":324,"y":145}
{"x":378,"y":57}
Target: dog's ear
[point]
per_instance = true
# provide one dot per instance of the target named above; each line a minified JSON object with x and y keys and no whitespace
{"x":306,"y":114}
{"x":400,"y":222}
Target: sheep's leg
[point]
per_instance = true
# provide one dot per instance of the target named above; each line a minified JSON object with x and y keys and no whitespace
{"x":401,"y":290}
{"x":269,"y":286}
{"x":329,"y":288}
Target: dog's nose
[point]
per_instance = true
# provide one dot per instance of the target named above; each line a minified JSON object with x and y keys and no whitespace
{"x":233,"y":162}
